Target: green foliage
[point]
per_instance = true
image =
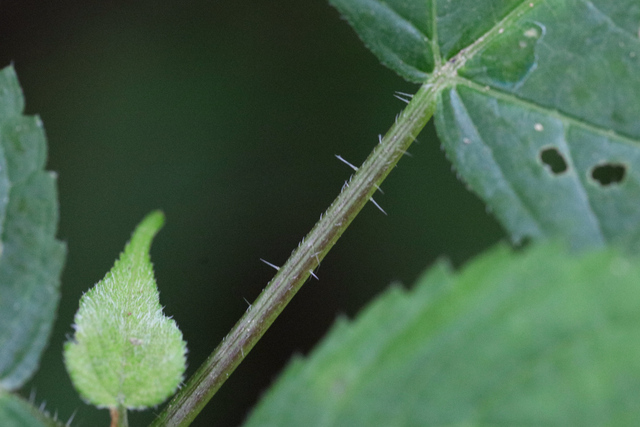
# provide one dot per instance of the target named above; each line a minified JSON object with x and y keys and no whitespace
{"x":31,"y":258}
{"x":540,"y":116}
{"x":396,"y":32}
{"x":537,"y":108}
{"x":15,"y":412}
{"x":125,"y":352}
{"x":539,"y":338}
{"x":534,"y":116}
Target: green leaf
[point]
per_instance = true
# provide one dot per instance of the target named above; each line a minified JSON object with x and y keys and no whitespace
{"x":539,"y":112}
{"x":31,"y":259}
{"x":396,"y":31}
{"x":125,"y":352}
{"x":15,"y":412}
{"x":541,"y":338}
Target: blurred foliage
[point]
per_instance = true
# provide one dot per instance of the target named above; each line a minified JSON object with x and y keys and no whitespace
{"x":500,"y":342}
{"x":227,"y":116}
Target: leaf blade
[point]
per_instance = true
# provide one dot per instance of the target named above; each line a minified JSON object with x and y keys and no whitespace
{"x":565,"y":75}
{"x":31,"y":259}
{"x":395,"y":32}
{"x":502,"y":342}
{"x":16,"y":412}
{"x":547,"y":109}
{"x":581,"y":58}
{"x":125,"y":352}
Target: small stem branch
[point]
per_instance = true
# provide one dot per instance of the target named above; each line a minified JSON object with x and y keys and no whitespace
{"x":119,"y":417}
{"x":190,"y":400}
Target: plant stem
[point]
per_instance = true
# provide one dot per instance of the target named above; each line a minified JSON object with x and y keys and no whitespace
{"x":190,"y":400}
{"x":119,"y":417}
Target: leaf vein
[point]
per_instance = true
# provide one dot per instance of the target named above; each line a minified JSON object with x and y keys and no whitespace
{"x":475,"y":47}
{"x":435,"y":48}
{"x":609,"y":21}
{"x":560,"y":115}
{"x":525,"y":206}
{"x":580,"y":189}
{"x":403,"y":19}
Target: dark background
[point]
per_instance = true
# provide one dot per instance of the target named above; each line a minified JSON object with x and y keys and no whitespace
{"x":226,"y":115}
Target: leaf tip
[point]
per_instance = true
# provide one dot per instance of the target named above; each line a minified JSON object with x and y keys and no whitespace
{"x":125,"y":351}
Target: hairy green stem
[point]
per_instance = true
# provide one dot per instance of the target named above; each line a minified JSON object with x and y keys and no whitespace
{"x":119,"y":417}
{"x":199,"y":389}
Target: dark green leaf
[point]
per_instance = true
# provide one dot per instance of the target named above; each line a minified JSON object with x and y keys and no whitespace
{"x":542,"y":338}
{"x":31,"y":259}
{"x":530,"y":81}
{"x":397,"y":31}
{"x":15,"y":412}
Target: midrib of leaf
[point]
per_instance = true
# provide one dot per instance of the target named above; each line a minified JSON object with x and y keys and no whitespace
{"x":435,"y":47}
{"x":552,"y":112}
{"x":469,"y":51}
{"x":450,"y":68}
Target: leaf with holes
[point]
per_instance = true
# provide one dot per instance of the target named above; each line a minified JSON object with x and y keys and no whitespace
{"x":31,"y":258}
{"x":500,"y":343}
{"x":540,"y":114}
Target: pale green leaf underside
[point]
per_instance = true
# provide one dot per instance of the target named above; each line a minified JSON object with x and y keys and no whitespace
{"x":541,"y":338}
{"x":125,"y":352}
{"x":535,"y":80}
{"x":31,"y":259}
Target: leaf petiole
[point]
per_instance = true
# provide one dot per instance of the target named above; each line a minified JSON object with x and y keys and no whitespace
{"x":119,"y":417}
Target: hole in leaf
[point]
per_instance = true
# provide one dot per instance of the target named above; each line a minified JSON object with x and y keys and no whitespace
{"x":552,"y":158}
{"x":609,"y":173}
